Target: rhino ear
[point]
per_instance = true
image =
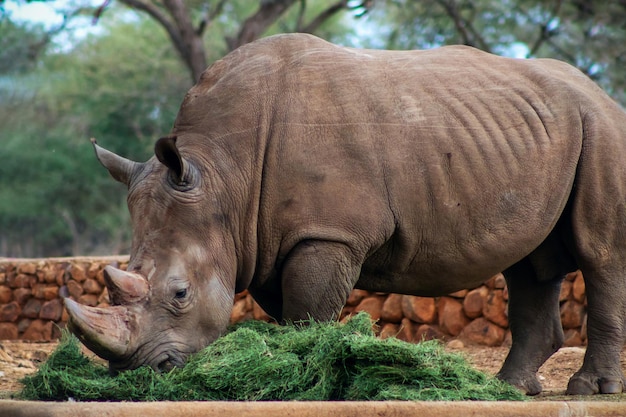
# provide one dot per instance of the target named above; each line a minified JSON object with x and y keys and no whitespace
{"x":167,"y":153}
{"x":120,"y":168}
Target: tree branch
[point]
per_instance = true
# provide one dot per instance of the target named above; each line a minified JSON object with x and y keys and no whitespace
{"x":254,"y":26}
{"x":544,"y":33}
{"x":209,"y":17}
{"x":160,"y":17}
{"x":470,"y":36}
{"x":323,"y":16}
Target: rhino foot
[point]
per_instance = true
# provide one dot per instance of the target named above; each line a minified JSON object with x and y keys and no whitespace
{"x":588,"y":384}
{"x":528,"y":383}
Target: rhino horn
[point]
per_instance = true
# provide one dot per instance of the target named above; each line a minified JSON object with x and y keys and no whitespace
{"x":124,"y":287}
{"x":120,"y":168}
{"x":106,"y":331}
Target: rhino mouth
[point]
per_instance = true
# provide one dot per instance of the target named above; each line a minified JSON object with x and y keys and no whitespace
{"x":159,"y":359}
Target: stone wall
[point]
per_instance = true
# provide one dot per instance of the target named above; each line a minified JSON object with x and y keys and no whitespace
{"x":31,"y":307}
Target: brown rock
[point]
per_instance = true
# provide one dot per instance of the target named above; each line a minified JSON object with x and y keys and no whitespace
{"x":389,"y":330}
{"x":32,"y":308}
{"x":88,"y":299}
{"x":572,"y":275}
{"x":458,"y":294}
{"x":392,"y":309}
{"x":483,"y":332}
{"x":496,"y":282}
{"x":572,"y":314}
{"x":494,"y":309}
{"x":566,"y":290}
{"x":38,"y":330}
{"x":8,"y":331}
{"x":104,"y":297}
{"x":21,"y":295}
{"x":419,"y":309}
{"x":61,"y":277}
{"x":572,"y":338}
{"x":578,"y":288}
{"x":427,"y":332}
{"x":23,"y":324}
{"x":239,"y":311}
{"x":356,"y":296}
{"x":51,"y":310}
{"x":10,"y":312}
{"x":22,"y":281}
{"x":92,"y":270}
{"x":371,"y":305}
{"x":406,"y":331}
{"x":451,"y":316}
{"x":583,"y":328}
{"x":49,"y":275}
{"x":91,"y":286}
{"x":57,"y":328}
{"x":455,"y":344}
{"x":45,"y":292}
{"x":499,"y":282}
{"x":474,"y":301}
{"x":258,"y":313}
{"x":74,"y":289}
{"x":27,"y":268}
{"x":6,"y":295}
{"x":100,"y":277}
{"x":78,"y":272}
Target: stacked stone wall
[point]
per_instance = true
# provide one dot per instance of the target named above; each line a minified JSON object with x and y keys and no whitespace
{"x":31,"y":306}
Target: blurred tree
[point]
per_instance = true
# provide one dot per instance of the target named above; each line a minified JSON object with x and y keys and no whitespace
{"x":186,"y":22}
{"x":55,"y":198}
{"x":588,"y":34}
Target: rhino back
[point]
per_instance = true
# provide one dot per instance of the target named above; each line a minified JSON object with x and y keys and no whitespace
{"x":446,"y":163}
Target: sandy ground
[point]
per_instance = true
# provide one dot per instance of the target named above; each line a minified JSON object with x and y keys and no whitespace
{"x":18,"y":359}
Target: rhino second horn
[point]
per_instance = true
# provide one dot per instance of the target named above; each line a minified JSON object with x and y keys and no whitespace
{"x":124,"y":287}
{"x":105,"y":331}
{"x":119,"y":167}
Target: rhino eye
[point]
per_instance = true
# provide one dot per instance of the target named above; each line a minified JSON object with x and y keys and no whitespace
{"x":180,"y":294}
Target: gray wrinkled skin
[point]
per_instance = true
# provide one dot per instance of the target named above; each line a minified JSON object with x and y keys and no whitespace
{"x":300,"y":170}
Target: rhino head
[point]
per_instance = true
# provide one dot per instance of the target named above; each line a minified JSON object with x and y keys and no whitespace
{"x":177,"y":293}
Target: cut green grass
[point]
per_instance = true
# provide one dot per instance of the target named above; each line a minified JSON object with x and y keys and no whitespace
{"x":261,"y":361}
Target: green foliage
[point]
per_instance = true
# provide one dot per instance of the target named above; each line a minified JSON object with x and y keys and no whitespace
{"x":123,"y":87}
{"x":588,"y":35}
{"x":20,"y":45}
{"x":260,"y":361}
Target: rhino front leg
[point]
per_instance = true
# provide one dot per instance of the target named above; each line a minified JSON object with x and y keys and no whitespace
{"x":317,"y":279}
{"x":535,"y":323}
{"x":601,"y":370}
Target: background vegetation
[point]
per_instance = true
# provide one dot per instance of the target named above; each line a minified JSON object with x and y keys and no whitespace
{"x":123,"y":82}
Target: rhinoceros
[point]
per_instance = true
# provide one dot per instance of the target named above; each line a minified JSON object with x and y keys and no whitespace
{"x":299,"y":170}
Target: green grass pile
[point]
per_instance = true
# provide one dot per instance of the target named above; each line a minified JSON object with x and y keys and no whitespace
{"x":260,"y":361}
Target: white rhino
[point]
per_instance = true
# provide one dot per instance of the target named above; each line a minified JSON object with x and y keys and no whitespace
{"x":300,"y":170}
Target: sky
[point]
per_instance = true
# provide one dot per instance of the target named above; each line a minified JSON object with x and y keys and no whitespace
{"x":38,"y":12}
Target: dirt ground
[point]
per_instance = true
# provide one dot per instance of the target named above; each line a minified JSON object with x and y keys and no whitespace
{"x":18,"y":359}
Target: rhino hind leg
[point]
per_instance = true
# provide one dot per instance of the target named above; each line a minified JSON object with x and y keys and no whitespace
{"x":601,"y":370}
{"x":535,"y":324}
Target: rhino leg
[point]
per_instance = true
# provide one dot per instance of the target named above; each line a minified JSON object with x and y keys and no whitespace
{"x":535,"y":324}
{"x":601,"y":371}
{"x":317,"y":278}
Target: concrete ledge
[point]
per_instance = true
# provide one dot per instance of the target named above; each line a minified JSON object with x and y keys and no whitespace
{"x":10,"y":408}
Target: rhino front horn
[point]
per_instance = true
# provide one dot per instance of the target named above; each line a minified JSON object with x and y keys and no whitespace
{"x":120,"y":168}
{"x":124,"y":287}
{"x":105,"y":331}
